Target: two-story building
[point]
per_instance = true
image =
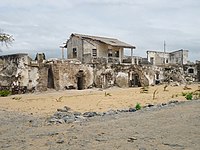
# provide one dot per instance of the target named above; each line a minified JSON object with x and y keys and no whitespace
{"x":91,"y":49}
{"x":179,"y":57}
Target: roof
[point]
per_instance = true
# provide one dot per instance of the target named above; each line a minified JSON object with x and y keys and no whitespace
{"x":109,"y":41}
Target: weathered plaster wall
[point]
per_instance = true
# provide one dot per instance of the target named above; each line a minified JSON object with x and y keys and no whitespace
{"x":65,"y":75}
{"x":179,"y":57}
{"x":19,"y":68}
{"x":14,"y":68}
{"x":198,"y":71}
{"x":75,"y":42}
{"x":159,"y":57}
{"x":84,"y":49}
{"x":122,"y":79}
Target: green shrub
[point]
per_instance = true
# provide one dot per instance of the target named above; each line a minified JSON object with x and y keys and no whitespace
{"x":4,"y":93}
{"x":138,"y":106}
{"x":189,"y":96}
{"x":184,"y":93}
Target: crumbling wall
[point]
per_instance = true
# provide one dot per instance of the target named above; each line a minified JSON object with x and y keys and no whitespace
{"x":198,"y":71}
{"x":43,"y":77}
{"x":65,"y":75}
{"x":119,"y":75}
{"x":190,"y":72}
{"x":122,"y":79}
{"x":14,"y":68}
{"x":153,"y":73}
{"x":179,"y":57}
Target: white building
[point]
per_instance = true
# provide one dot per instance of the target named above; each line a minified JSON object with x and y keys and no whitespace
{"x":179,"y":57}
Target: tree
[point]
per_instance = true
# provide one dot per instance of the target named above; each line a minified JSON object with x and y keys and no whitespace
{"x":6,"y":39}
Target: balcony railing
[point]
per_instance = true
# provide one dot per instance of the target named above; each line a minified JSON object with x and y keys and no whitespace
{"x":113,"y":60}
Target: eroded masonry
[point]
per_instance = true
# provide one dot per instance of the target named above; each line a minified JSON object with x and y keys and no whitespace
{"x":95,"y":62}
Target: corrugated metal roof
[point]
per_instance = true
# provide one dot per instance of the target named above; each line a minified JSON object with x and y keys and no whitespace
{"x":109,"y":41}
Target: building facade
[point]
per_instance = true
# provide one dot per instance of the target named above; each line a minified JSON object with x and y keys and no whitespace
{"x":91,"y":49}
{"x":179,"y":57}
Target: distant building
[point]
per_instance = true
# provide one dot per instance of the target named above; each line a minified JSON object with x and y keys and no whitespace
{"x":91,"y":49}
{"x":179,"y":57}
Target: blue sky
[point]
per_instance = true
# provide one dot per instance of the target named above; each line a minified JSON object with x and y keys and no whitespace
{"x":43,"y":25}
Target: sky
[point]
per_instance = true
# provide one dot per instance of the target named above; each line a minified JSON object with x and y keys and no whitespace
{"x":44,"y":25}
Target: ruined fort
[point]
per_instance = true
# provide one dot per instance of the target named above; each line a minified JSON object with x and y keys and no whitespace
{"x":95,"y":62}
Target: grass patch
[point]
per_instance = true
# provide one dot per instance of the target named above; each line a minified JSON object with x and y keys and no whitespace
{"x":4,"y":93}
{"x":189,"y":96}
{"x":138,"y":106}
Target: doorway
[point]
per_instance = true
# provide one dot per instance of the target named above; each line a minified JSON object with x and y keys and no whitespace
{"x":80,"y":80}
{"x":135,"y":82}
{"x":50,"y":83}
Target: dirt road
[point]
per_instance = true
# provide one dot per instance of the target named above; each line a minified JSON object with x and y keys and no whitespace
{"x":172,"y":127}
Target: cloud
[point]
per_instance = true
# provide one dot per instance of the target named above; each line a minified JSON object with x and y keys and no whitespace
{"x":43,"y":25}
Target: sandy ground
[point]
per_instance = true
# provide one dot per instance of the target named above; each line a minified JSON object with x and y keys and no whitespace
{"x":46,"y":103}
{"x":173,"y":127}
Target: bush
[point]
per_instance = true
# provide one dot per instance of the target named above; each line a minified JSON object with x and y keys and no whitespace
{"x":184,"y":93}
{"x":138,"y":106}
{"x":189,"y":96}
{"x":4,"y":93}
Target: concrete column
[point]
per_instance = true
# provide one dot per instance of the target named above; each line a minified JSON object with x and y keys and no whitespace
{"x":120,"y":55}
{"x":62,"y":52}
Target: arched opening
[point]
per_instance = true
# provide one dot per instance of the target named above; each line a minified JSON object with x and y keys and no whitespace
{"x":157,"y":81}
{"x":135,"y":82}
{"x":80,"y":80}
{"x":50,"y":83}
{"x":190,"y":70}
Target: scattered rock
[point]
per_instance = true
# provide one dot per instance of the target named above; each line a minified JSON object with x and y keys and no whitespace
{"x":131,"y":139}
{"x":69,"y":120}
{"x":132,"y":110}
{"x":90,"y":114}
{"x":60,"y":141}
{"x":164,"y":104}
{"x":173,"y":101}
{"x":123,"y":110}
{"x":77,"y":113}
{"x":64,"y":116}
{"x":52,"y":133}
{"x":150,"y":105}
{"x":100,"y":139}
{"x":110,"y":112}
{"x":65,"y":109}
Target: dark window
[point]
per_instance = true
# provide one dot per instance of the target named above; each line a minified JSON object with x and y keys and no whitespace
{"x":94,"y":52}
{"x":152,"y":60}
{"x":74,"y":53}
{"x":139,"y":61}
{"x":117,"y":54}
{"x":135,"y":60}
{"x":157,"y":76}
{"x":110,"y":53}
{"x":176,"y":60}
{"x":191,"y":70}
{"x":167,"y":61}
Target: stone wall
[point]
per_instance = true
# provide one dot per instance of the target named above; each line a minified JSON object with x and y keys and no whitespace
{"x":198,"y":71}
{"x":65,"y":74}
{"x":14,"y":68}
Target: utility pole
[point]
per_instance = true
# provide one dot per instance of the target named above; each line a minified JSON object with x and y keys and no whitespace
{"x":164,"y":47}
{"x":62,"y":54}
{"x":164,"y":53}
